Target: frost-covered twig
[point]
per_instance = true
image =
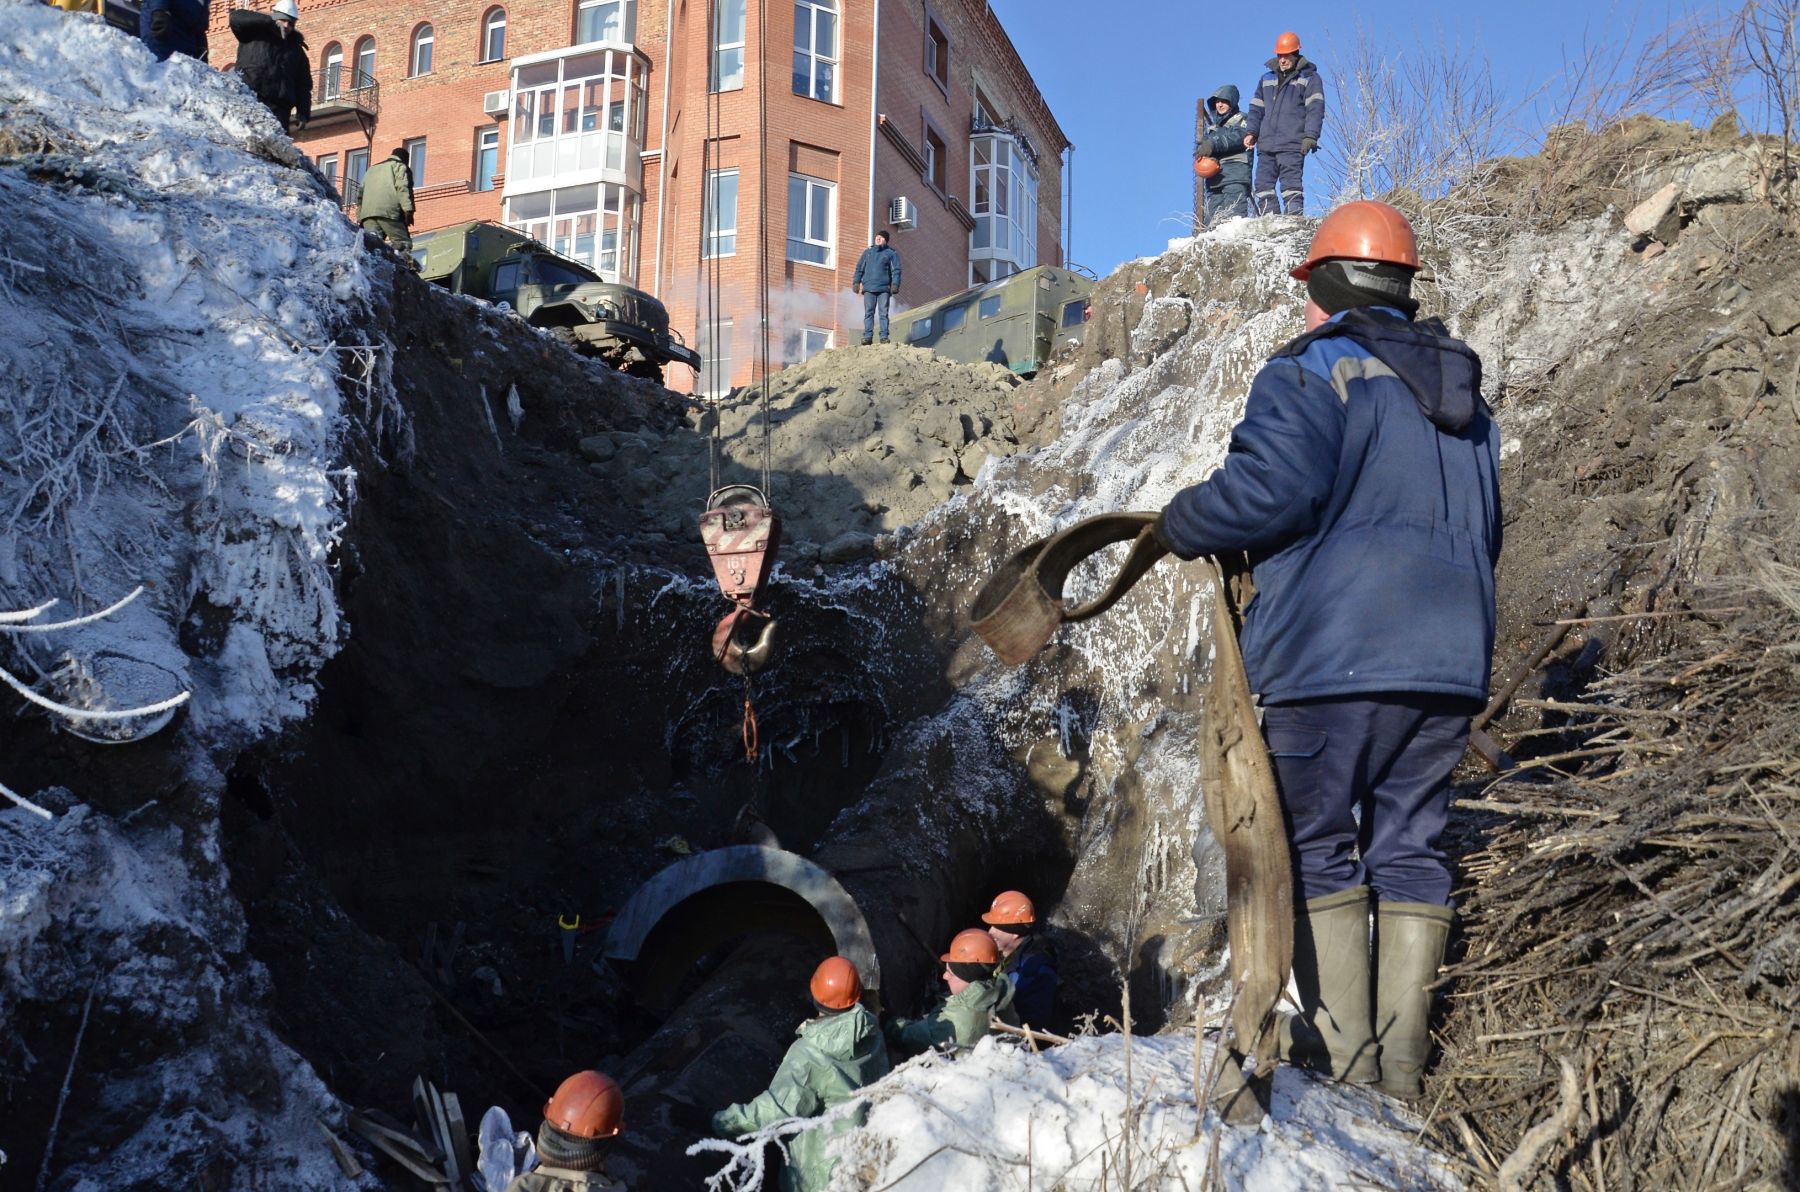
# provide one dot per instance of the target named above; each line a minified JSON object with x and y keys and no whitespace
{"x":9,"y":622}
{"x":62,"y":1097}
{"x":27,"y":804}
{"x":174,"y":701}
{"x":27,"y":614}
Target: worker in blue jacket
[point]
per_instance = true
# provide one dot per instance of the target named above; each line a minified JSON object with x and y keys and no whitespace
{"x":1286,"y":115}
{"x":877,"y":279}
{"x":1363,"y":484}
{"x":174,"y":27}
{"x":1223,"y":140}
{"x":1027,"y":958}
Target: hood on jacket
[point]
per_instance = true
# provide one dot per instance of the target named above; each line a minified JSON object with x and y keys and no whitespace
{"x":850,"y":1035}
{"x":1301,"y":64}
{"x":1228,"y":93}
{"x":1443,"y":373}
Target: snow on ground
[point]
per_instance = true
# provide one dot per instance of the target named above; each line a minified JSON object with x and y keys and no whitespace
{"x":1002,"y":1118}
{"x":174,"y":289}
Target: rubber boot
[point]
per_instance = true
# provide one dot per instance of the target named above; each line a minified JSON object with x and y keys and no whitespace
{"x":1333,"y":1033}
{"x":1409,"y":949}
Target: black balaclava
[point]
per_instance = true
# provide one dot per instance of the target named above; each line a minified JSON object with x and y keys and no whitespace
{"x":560,"y":1148}
{"x":970,"y":971}
{"x":1339,"y":285}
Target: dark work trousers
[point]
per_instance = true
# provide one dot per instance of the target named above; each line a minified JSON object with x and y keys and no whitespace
{"x":875,"y":300}
{"x":1279,"y":173}
{"x":1229,"y":201}
{"x":1387,"y":757}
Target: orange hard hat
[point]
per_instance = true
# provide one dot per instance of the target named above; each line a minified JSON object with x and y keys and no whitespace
{"x":973,"y":946}
{"x":1011,"y":908}
{"x":587,"y":1105}
{"x":1362,"y":231}
{"x":1287,"y":43}
{"x":1206,"y":167}
{"x":836,"y":984}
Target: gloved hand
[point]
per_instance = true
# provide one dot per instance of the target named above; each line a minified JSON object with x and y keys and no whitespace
{"x":1162,"y":536}
{"x":1249,"y":140}
{"x":857,"y":288}
{"x":1309,"y":145}
{"x":300,"y":125}
{"x":159,"y":23}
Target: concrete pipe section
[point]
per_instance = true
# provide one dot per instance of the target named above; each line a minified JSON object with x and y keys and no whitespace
{"x":703,"y":901}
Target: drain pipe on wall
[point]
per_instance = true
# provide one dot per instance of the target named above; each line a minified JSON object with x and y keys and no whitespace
{"x":874,"y":119}
{"x":662,"y":158}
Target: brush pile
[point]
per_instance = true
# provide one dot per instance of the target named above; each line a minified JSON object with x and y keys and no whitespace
{"x":1627,"y":1013}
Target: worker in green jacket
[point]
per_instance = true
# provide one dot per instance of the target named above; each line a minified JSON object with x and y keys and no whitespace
{"x":837,"y":1053}
{"x":979,"y":994}
{"x":386,"y":207}
{"x":581,"y":1119}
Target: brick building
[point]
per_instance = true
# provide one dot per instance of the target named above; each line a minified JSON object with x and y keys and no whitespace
{"x":592,"y":123}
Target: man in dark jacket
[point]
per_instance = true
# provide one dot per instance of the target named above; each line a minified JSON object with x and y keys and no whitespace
{"x":1228,"y":191}
{"x":273,"y":60}
{"x":1027,"y":958}
{"x":174,"y":27}
{"x":1286,"y":116}
{"x":1363,"y":483}
{"x":877,"y":280}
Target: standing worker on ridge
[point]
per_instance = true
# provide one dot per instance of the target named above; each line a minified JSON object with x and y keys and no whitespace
{"x":1225,"y":141}
{"x":837,"y":1053}
{"x":580,"y":1121}
{"x":1364,"y":484}
{"x":978,"y":995}
{"x":1027,"y":959}
{"x":877,"y":280}
{"x":386,"y":206}
{"x":273,"y":60}
{"x":1287,"y":113}
{"x":173,"y":27}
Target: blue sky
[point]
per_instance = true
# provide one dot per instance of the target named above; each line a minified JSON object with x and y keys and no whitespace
{"x":1123,"y":77}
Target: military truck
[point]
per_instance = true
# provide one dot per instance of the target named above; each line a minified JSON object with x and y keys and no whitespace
{"x":617,"y":323}
{"x":1020,"y":321}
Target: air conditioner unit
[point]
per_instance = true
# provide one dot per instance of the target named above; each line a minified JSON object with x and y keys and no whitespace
{"x":496,"y":103}
{"x":902,"y":213}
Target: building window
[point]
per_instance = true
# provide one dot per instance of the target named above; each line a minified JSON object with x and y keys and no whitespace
{"x":493,"y":35}
{"x":728,"y":45}
{"x":415,"y":159}
{"x":420,"y":62}
{"x":937,"y":50}
{"x":328,"y":164}
{"x":487,"y":157}
{"x":365,"y":63}
{"x":805,"y":343}
{"x":356,"y":164}
{"x":596,"y":224}
{"x":604,"y":20}
{"x":1003,"y":186}
{"x":721,"y":214}
{"x":815,"y":49}
{"x":810,"y":203}
{"x":332,"y":77}
{"x":715,"y":358}
{"x":937,"y":161}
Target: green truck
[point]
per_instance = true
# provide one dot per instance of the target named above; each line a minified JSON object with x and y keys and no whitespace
{"x":616,"y":323}
{"x":1019,"y":321}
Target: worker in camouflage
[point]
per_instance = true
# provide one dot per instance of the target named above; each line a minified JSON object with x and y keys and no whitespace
{"x":837,"y":1053}
{"x":386,"y":207}
{"x":979,"y":995}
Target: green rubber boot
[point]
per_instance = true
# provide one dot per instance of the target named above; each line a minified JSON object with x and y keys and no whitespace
{"x":1409,"y":949}
{"x":1333,"y":1033}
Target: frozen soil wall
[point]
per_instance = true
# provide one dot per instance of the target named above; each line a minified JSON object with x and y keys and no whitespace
{"x":434,"y":584}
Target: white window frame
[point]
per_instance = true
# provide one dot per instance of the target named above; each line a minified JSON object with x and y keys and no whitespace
{"x":415,"y":160}
{"x":358,"y":76}
{"x":482,"y":145}
{"x":715,"y":368}
{"x":332,"y":80}
{"x":356,"y":168}
{"x":625,"y":22}
{"x":424,"y":41}
{"x":493,"y":23}
{"x":811,"y":237}
{"x":328,"y":166}
{"x":811,"y":12}
{"x":724,"y":51}
{"x":806,"y":342}
{"x":720,"y":239}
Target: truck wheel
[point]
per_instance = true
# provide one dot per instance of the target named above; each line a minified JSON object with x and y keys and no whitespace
{"x":650,"y":370}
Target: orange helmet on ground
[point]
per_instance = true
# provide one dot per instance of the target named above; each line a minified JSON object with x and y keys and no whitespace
{"x":1206,"y":167}
{"x":1011,"y":909}
{"x":1362,"y":231}
{"x":973,"y":946}
{"x":836,"y":985}
{"x":587,"y":1105}
{"x":1287,"y":43}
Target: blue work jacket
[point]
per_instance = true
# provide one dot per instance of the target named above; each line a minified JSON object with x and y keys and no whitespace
{"x":1286,"y":109}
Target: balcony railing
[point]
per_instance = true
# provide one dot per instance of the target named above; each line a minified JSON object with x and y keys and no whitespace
{"x":338,"y":92}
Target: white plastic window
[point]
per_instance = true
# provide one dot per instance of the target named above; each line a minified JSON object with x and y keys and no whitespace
{"x":493,"y":36}
{"x":423,"y":40}
{"x":811,"y":204}
{"x":816,"y":49}
{"x":728,"y":45}
{"x":722,"y":214}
